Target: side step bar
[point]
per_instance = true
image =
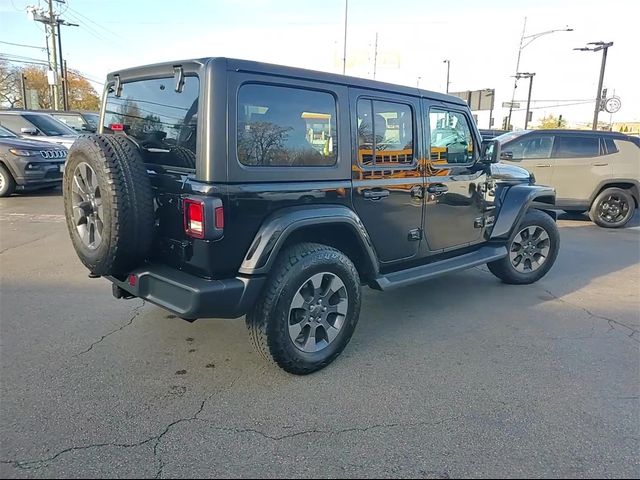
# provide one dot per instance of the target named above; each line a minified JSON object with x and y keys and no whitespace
{"x":488,"y":253}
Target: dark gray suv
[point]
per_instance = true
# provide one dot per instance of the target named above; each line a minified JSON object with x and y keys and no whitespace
{"x":26,"y":165}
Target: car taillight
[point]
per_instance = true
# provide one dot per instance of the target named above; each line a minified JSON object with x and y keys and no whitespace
{"x":116,"y":127}
{"x":194,"y":218}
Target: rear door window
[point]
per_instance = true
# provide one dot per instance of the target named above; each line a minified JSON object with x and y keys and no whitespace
{"x":164,"y":122}
{"x":286,"y":127}
{"x":576,"y":146}
{"x":385,"y":133}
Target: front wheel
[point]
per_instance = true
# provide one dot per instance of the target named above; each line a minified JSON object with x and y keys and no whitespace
{"x":533,"y":249}
{"x":309,"y":309}
{"x":612,"y":208}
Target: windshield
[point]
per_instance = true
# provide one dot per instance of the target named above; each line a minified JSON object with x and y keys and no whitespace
{"x":4,"y":133}
{"x":49,"y":125}
{"x":164,"y":122}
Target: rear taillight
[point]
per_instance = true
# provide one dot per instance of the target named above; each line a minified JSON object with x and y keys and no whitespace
{"x":194,"y":218}
{"x":116,"y":127}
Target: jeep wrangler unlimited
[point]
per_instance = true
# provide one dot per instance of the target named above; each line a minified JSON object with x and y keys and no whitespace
{"x":223,"y":188}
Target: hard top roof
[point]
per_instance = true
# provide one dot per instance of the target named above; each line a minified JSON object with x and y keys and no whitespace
{"x":284,"y":71}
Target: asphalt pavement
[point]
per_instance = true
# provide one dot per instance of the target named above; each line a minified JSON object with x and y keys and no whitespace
{"x":461,"y":376}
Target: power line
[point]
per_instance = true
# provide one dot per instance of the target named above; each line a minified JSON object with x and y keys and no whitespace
{"x":22,"y":45}
{"x":77,"y":13}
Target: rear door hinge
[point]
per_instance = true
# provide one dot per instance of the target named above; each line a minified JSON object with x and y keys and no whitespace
{"x":478,"y":222}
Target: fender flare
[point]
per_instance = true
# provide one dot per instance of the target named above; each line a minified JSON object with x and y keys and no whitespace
{"x":514,"y":205}
{"x":276,"y":228}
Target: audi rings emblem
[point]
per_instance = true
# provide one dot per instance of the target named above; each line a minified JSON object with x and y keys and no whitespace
{"x":53,"y":153}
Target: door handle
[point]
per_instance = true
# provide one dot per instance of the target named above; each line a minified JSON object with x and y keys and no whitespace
{"x":437,"y":188}
{"x":375,"y":194}
{"x":543,"y":165}
{"x":600,"y":164}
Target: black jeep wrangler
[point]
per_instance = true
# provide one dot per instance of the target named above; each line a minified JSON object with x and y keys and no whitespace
{"x":222,"y":188}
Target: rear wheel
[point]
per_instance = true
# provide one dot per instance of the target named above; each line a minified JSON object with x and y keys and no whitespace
{"x":533,"y":249}
{"x":7,"y":183}
{"x":612,"y":208}
{"x":309,"y":310}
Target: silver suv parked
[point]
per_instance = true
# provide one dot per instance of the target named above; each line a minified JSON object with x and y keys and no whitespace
{"x":595,"y":172}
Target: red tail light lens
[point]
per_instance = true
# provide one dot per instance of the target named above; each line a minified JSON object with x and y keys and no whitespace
{"x":194,"y":218}
{"x":117,"y":127}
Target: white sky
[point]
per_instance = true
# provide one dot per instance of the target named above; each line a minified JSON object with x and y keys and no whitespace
{"x":480,"y":38}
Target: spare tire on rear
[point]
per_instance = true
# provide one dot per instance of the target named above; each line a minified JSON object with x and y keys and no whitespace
{"x":108,"y":203}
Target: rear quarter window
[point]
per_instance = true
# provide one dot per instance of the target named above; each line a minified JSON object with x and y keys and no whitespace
{"x":576,"y":146}
{"x":286,"y":127}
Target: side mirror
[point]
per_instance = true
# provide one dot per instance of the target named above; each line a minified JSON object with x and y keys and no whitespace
{"x":29,"y":130}
{"x":490,"y":151}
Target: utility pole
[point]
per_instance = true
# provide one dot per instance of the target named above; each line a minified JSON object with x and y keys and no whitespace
{"x":530,"y":77}
{"x":54,"y":51}
{"x":23,"y":86}
{"x":344,"y":52}
{"x":448,"y":62}
{"x":604,"y":46}
{"x":54,"y":63}
{"x":375,"y":57}
{"x":63,"y":64}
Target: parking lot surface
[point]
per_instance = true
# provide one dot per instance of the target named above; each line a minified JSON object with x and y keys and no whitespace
{"x":458,"y":377}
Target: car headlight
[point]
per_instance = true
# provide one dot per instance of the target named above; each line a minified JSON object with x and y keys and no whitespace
{"x":24,"y":153}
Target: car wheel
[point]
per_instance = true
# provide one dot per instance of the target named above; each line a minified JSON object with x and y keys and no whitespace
{"x":533,"y":249}
{"x":309,"y":310}
{"x":7,"y":183}
{"x":612,"y":208}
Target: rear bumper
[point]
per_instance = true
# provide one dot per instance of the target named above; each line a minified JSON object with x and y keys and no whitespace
{"x":192,"y":297}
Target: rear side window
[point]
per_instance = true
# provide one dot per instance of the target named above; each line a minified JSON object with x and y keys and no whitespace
{"x":610,"y":146}
{"x":577,"y":146}
{"x":385,"y":133}
{"x":164,"y":122}
{"x":286,"y":127}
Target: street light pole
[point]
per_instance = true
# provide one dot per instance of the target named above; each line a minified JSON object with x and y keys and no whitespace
{"x":448,"y":62}
{"x":529,"y":39}
{"x":604,"y":46}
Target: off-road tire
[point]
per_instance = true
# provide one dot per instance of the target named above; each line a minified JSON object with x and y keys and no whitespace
{"x":8,"y":184}
{"x":505,"y":270}
{"x":127,"y":199}
{"x":594,"y":213}
{"x":268,"y":320}
{"x":185,"y":157}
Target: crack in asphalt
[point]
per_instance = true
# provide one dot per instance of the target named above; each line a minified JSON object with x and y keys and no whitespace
{"x":611,"y":321}
{"x":24,"y":244}
{"x":36,"y":464}
{"x":332,"y":432}
{"x":136,"y":312}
